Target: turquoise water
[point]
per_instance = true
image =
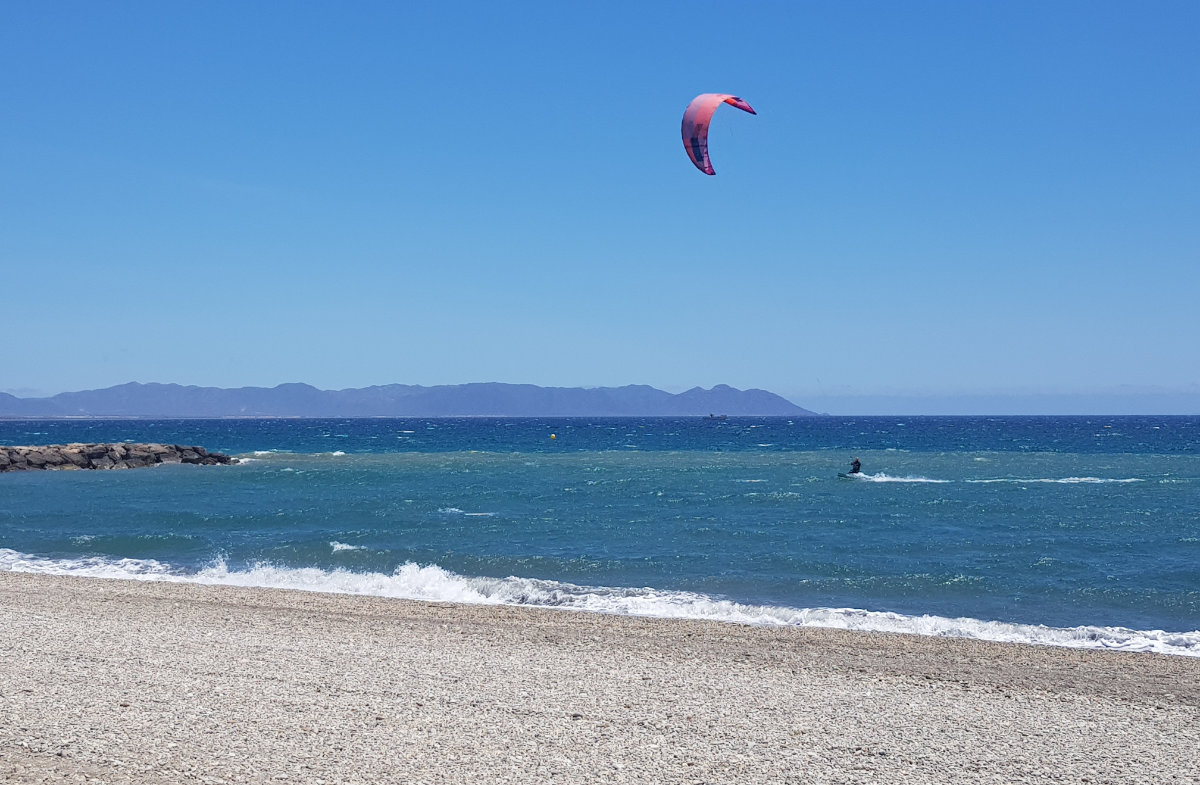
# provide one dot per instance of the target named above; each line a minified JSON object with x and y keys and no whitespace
{"x":1072,"y":531}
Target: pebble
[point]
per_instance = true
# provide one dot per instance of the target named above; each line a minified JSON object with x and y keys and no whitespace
{"x":495,"y":694}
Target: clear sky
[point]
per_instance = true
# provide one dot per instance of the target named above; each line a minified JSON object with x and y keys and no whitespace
{"x":940,"y":206}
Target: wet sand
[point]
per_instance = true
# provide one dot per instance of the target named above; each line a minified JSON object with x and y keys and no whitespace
{"x":133,"y":682}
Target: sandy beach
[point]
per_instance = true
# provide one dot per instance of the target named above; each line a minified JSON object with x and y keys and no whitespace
{"x":135,"y":682}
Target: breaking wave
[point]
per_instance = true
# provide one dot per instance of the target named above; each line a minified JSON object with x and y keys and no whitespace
{"x":433,"y":583}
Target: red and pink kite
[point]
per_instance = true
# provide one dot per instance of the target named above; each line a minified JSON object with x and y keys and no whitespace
{"x":695,"y":125}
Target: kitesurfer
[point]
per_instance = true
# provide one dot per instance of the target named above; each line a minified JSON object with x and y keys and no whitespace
{"x":855,"y":466}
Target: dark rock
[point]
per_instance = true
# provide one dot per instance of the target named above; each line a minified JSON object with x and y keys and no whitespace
{"x":105,"y":456}
{"x":75,"y":456}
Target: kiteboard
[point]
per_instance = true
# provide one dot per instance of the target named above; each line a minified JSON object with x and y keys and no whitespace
{"x":855,"y":476}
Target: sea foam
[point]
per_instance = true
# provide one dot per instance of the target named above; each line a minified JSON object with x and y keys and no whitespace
{"x":1062,"y":480}
{"x":433,"y":583}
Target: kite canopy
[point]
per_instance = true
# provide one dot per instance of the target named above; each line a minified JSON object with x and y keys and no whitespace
{"x":695,"y":125}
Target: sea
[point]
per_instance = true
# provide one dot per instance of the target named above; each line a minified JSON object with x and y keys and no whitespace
{"x":1063,"y":531}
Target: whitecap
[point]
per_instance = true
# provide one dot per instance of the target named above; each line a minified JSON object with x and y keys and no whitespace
{"x":1060,"y":480}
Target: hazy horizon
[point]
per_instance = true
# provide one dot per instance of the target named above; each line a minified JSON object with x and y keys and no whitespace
{"x":1116,"y":401}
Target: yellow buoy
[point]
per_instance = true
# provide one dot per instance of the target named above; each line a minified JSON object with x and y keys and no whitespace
{"x":552,"y":436}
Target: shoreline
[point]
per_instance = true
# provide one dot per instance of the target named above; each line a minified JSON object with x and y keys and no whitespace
{"x":131,"y":681}
{"x":443,"y":586}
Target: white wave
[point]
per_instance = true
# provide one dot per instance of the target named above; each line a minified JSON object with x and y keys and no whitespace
{"x":88,"y":566}
{"x":881,"y":477}
{"x":432,"y":583}
{"x":457,"y":511}
{"x":1062,"y":480}
{"x":336,"y":546}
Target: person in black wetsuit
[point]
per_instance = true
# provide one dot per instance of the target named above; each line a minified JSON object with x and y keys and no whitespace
{"x":855,"y":466}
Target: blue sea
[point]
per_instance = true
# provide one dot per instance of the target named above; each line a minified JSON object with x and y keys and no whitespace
{"x":1069,"y":531}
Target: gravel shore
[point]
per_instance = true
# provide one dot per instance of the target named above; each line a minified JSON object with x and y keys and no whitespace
{"x":138,"y":682}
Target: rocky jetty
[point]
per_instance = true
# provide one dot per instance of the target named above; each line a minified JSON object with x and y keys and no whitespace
{"x":104,"y":456}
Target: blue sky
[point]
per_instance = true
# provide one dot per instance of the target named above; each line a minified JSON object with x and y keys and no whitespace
{"x":940,"y":206}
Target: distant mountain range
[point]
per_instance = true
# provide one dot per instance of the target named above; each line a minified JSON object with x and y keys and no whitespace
{"x":399,"y":400}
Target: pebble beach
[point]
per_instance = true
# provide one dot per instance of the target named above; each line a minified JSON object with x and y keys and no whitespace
{"x":119,"y":681}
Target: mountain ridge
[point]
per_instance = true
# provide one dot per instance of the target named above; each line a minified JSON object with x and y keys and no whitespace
{"x":476,"y":399}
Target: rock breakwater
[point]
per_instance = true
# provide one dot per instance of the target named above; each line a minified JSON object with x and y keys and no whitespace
{"x":104,"y":456}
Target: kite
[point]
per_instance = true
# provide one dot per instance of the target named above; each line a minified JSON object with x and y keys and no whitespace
{"x":696,"y":118}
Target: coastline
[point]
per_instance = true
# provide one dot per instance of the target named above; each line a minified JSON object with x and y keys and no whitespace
{"x":130,"y":681}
